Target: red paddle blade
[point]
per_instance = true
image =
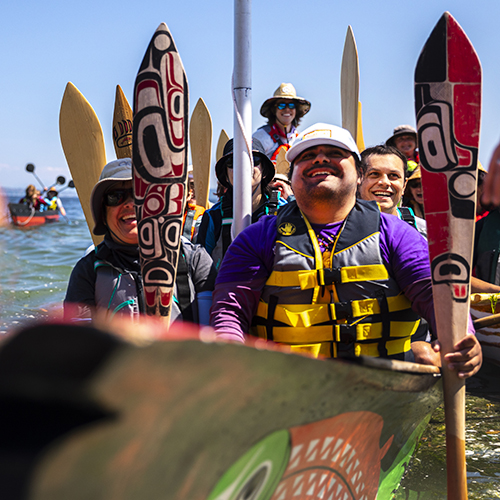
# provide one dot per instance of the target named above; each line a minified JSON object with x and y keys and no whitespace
{"x":448,"y":108}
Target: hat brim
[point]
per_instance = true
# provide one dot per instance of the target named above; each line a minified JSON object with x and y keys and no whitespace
{"x":303,"y":106}
{"x":96,"y":205}
{"x":293,"y":152}
{"x":390,"y":141}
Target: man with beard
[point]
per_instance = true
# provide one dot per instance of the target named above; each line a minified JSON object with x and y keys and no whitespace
{"x":331,"y":275}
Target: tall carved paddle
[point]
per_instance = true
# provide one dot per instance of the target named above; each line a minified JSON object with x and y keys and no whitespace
{"x":349,"y":90}
{"x":448,"y":109}
{"x":160,"y":153}
{"x":83,"y":144}
{"x":122,"y":125}
{"x":200,"y":137}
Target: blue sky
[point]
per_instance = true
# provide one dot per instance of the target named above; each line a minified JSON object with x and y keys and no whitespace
{"x":99,"y":44}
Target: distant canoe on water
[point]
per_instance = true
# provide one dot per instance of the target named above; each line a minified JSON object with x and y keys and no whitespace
{"x":22,"y":215}
{"x":89,"y":416}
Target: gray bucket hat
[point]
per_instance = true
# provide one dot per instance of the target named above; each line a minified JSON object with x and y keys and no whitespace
{"x":115,"y":171}
{"x":268,"y":169}
{"x":401,"y":130}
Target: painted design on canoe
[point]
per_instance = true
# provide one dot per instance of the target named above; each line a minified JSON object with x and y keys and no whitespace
{"x":160,"y":148}
{"x":194,"y":418}
{"x":24,"y":216}
{"x":448,"y":107}
{"x":336,"y":458}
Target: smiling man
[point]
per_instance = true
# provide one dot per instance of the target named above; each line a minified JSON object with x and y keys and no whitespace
{"x":384,"y":181}
{"x":331,"y":275}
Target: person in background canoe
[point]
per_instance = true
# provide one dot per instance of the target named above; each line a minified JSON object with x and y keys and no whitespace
{"x":384,"y":181}
{"x":215,"y":229}
{"x":331,"y":275}
{"x":109,"y":277}
{"x":192,"y":212}
{"x":283,"y":111}
{"x":404,"y":138}
{"x":414,"y":194}
{"x":53,"y":201}
{"x":32,"y":198}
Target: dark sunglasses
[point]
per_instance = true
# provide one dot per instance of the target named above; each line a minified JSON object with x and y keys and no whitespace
{"x":283,"y":105}
{"x":257,"y":160}
{"x":117,"y":197}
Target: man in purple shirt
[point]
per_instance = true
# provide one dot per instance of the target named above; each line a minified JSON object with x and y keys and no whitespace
{"x":330,"y":275}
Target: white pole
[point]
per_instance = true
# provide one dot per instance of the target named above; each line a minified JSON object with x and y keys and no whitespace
{"x":242,"y":95}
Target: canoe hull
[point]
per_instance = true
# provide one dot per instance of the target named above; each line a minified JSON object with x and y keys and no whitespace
{"x":205,"y":420}
{"x":23,"y":216}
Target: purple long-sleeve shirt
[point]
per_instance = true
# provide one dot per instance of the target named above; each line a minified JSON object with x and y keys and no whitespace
{"x":249,"y":262}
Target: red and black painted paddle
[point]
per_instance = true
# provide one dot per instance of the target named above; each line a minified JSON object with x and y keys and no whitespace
{"x":448,"y":109}
{"x":160,"y":154}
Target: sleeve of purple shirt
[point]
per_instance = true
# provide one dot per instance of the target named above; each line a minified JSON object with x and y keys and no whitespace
{"x":243,"y":273}
{"x":406,"y":254}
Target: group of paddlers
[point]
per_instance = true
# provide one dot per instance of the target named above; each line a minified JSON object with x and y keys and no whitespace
{"x":334,"y":264}
{"x":48,"y":200}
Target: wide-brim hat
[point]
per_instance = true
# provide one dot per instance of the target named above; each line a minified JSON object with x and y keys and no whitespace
{"x":285,"y":91}
{"x":417,"y":174}
{"x":401,"y":130}
{"x":115,"y":171}
{"x":322,"y":134}
{"x":268,"y":169}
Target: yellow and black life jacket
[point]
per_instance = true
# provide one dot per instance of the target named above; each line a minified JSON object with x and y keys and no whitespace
{"x":351,"y":308}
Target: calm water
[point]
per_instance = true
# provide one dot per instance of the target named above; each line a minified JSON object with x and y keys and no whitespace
{"x":36,"y":264}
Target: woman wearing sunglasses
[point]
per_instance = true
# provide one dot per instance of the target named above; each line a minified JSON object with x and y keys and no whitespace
{"x":109,"y":277}
{"x":283,"y":111}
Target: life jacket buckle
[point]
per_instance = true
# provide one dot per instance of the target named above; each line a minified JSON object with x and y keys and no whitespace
{"x":343,"y":310}
{"x":330,"y":276}
{"x":345,"y":335}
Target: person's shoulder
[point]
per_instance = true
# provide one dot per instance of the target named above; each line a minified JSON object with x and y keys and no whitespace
{"x":395,"y":228}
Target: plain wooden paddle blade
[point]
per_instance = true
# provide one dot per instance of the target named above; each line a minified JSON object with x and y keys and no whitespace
{"x":122,"y":125}
{"x":360,"y":140}
{"x":349,"y":84}
{"x":160,"y":154}
{"x":200,"y":136}
{"x":448,"y":111}
{"x":223,"y":138}
{"x":282,"y":164}
{"x":83,"y":144}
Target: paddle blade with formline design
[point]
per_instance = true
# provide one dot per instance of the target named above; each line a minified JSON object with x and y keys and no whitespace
{"x":448,"y":112}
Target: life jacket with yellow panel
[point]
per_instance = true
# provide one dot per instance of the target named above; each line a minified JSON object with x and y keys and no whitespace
{"x":351,"y":307}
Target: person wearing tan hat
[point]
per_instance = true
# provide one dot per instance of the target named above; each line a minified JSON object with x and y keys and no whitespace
{"x":404,"y":138}
{"x":414,"y":194}
{"x":283,"y":111}
{"x":331,"y":275}
{"x":109,"y":278}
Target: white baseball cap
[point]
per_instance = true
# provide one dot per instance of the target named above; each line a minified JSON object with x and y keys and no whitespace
{"x":320,"y":134}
